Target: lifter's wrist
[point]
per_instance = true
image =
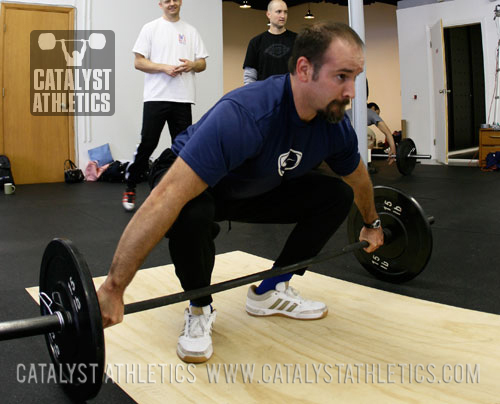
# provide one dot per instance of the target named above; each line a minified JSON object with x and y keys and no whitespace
{"x":373,"y":223}
{"x":112,"y":287}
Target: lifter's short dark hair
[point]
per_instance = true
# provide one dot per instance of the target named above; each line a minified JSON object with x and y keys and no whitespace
{"x":312,"y":43}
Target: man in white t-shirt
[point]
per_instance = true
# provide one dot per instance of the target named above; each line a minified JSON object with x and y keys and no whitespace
{"x":170,"y":52}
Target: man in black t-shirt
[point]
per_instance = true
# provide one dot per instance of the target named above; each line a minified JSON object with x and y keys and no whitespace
{"x":268,"y":53}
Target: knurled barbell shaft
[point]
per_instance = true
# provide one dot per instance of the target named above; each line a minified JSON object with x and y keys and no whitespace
{"x":245,"y":280}
{"x":55,"y":322}
{"x":233,"y":283}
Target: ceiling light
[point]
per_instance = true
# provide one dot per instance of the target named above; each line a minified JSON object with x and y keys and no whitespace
{"x":309,"y":15}
{"x":245,"y":4}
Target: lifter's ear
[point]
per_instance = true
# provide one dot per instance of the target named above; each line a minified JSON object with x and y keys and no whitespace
{"x":304,"y":69}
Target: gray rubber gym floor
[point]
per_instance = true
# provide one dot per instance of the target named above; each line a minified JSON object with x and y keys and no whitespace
{"x":463,"y":270}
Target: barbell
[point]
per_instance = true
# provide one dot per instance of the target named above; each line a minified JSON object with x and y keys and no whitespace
{"x":71,"y":317}
{"x":47,"y":41}
{"x":406,"y":156}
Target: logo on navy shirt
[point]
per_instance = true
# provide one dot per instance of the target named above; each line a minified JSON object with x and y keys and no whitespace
{"x":288,"y":161}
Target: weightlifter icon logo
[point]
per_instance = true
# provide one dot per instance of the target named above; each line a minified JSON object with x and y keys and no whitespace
{"x":48,"y":41}
{"x":72,"y":72}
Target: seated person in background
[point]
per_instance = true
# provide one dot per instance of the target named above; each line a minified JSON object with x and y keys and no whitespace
{"x":373,"y":118}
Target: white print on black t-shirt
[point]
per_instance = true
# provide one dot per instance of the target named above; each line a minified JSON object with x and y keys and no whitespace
{"x":289,"y":161}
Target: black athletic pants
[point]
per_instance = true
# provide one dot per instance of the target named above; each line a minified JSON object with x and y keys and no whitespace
{"x":317,"y":203}
{"x":155,"y":113}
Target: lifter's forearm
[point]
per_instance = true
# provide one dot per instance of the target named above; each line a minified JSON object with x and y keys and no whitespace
{"x":362,"y":186}
{"x":151,"y":222}
{"x":143,"y":232}
{"x":388,"y":135}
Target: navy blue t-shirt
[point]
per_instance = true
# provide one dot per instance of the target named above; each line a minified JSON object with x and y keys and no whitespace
{"x":253,"y":139}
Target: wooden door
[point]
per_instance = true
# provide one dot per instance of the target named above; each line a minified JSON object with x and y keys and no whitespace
{"x":37,"y":146}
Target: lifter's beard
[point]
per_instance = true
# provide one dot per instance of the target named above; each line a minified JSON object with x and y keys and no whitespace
{"x":334,"y":112}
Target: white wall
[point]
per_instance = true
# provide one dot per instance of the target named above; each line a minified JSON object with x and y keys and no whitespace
{"x":415,"y":65}
{"x":122,"y":130}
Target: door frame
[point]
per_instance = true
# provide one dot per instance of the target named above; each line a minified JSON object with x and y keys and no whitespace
{"x":451,"y":23}
{"x":71,"y":25}
{"x":438,"y":95}
{"x":472,"y":148}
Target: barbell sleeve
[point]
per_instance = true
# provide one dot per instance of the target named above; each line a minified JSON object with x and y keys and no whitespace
{"x":31,"y":326}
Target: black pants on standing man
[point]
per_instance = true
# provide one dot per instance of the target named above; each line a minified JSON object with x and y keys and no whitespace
{"x":155,"y":114}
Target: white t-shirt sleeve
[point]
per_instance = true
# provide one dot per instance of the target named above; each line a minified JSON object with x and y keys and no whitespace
{"x":143,"y":42}
{"x":200,"y":51}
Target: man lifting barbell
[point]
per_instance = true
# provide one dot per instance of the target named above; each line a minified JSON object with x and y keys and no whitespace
{"x":405,"y":154}
{"x":373,"y":118}
{"x":224,"y":167}
{"x":249,"y":159}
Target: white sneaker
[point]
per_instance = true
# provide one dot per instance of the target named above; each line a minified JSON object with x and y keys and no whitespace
{"x":195,"y":341}
{"x":128,"y":200}
{"x":284,"y":301}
